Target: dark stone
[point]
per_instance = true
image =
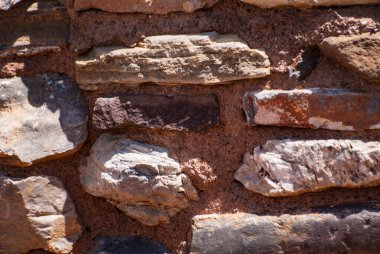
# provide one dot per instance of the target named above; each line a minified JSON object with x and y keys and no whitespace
{"x":127,"y":245}
{"x":178,"y":112}
{"x":347,"y":231}
{"x":305,"y":64}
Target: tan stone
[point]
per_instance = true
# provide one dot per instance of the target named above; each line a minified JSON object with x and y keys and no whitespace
{"x":151,"y":6}
{"x":24,"y":32}
{"x":207,"y":58}
{"x":333,"y":109}
{"x":292,"y":167}
{"x":139,"y":179}
{"x":307,"y":3}
{"x":36,"y":213}
{"x":360,"y":53}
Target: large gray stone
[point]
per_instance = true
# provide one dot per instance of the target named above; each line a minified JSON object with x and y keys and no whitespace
{"x":151,"y":6}
{"x":36,"y":213}
{"x":32,"y":28}
{"x":333,"y":109}
{"x":207,"y":58}
{"x":307,"y":3}
{"x":41,"y":117}
{"x":139,"y":179}
{"x":359,"y":53}
{"x":344,"y":231}
{"x":291,"y":167}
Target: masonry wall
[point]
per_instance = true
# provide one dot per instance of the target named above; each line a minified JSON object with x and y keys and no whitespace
{"x":56,"y":36}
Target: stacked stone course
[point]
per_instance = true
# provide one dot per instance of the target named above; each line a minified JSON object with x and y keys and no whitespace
{"x":128,"y":126}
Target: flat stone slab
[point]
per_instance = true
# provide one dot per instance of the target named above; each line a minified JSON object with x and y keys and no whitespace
{"x":333,"y":109}
{"x":41,"y":117}
{"x":205,"y":59}
{"x":33,"y":28}
{"x":139,"y":179}
{"x":127,"y":245}
{"x":292,"y":167}
{"x":177,"y":112}
{"x":307,"y":3}
{"x":151,"y":7}
{"x":359,"y":53}
{"x":349,"y":232}
{"x":36,"y":213}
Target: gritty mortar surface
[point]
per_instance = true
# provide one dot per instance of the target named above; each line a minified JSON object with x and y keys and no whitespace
{"x":282,"y":34}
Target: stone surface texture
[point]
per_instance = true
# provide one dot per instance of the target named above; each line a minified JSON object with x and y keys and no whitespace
{"x":127,"y":245}
{"x":178,"y":112}
{"x":207,"y":58}
{"x":360,"y":53}
{"x":333,"y":109}
{"x":139,"y":179}
{"x":33,"y":28}
{"x":201,"y":174}
{"x":347,"y":231}
{"x":291,"y":167}
{"x":7,"y":4}
{"x":41,"y":117}
{"x":152,"y":6}
{"x":307,"y":3}
{"x":36,"y":213}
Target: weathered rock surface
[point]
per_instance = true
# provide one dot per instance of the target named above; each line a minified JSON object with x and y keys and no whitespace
{"x":347,"y":232}
{"x":207,"y":58}
{"x":360,"y":53}
{"x":127,"y":245}
{"x":7,"y":4}
{"x":152,"y":7}
{"x":334,"y":109}
{"x":304,"y":64}
{"x":36,"y":213}
{"x":201,"y":174}
{"x":307,"y":3}
{"x":33,"y":29}
{"x":41,"y":117}
{"x":291,"y":167}
{"x":178,"y":112}
{"x":139,"y":179}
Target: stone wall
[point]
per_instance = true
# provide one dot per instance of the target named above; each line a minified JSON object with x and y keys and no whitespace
{"x":189,"y":126}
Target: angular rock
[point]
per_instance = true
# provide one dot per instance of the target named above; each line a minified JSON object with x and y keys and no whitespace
{"x":33,"y":28}
{"x":359,"y":53}
{"x":41,"y":117}
{"x":178,"y":112}
{"x":7,"y":4}
{"x":348,"y":231}
{"x":292,"y":167}
{"x":127,"y":245}
{"x":305,"y":63}
{"x":139,"y":179}
{"x":36,"y":213}
{"x":207,"y":58}
{"x":152,"y":6}
{"x":307,"y":3}
{"x":333,"y":109}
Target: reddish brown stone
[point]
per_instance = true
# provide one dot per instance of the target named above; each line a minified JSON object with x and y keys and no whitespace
{"x":314,"y":108}
{"x":33,"y":28}
{"x":179,"y":112}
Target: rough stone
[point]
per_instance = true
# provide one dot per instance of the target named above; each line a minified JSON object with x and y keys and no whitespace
{"x":7,"y":4}
{"x":139,"y":179}
{"x":33,"y":28}
{"x":347,"y":231}
{"x":291,"y":167}
{"x":307,"y":3}
{"x":334,"y":109}
{"x":127,"y":245}
{"x":178,"y":112}
{"x":359,"y":53}
{"x":201,"y":174}
{"x":207,"y":58}
{"x":36,"y":213}
{"x":152,"y":7}
{"x":304,"y":64}
{"x":41,"y":117}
